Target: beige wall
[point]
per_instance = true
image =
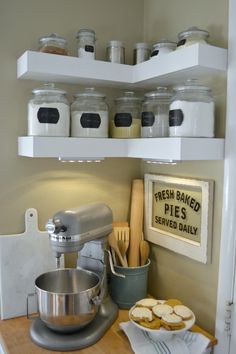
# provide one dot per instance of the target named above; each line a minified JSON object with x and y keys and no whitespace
{"x":47,"y":184}
{"x":173,"y":275}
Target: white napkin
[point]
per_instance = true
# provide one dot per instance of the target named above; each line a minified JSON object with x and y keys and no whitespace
{"x":183,"y":343}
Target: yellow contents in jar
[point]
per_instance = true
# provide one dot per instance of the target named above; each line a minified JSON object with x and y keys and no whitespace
{"x":133,"y":131}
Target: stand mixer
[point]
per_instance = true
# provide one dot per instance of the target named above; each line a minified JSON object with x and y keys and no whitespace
{"x":83,"y":230}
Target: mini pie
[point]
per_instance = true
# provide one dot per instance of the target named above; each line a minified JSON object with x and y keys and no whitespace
{"x":183,"y":311}
{"x":173,"y":302}
{"x":147,"y":302}
{"x":141,"y":314}
{"x":161,"y":310}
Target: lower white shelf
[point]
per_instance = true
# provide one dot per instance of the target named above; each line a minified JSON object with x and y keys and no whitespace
{"x":177,"y":149}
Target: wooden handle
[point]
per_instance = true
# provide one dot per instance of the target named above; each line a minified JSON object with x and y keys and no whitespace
{"x":136,"y":222}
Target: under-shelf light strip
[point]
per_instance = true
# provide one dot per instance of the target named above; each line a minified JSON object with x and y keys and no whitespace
{"x":161,"y":162}
{"x":76,"y":159}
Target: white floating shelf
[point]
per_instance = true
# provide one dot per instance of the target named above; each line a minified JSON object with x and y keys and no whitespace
{"x":196,"y":61}
{"x":178,"y":149}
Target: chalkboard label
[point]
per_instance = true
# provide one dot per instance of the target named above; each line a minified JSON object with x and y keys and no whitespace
{"x":123,"y":119}
{"x":176,"y":117}
{"x":148,"y":119}
{"x":90,"y":120}
{"x":48,"y":115}
{"x":89,"y":48}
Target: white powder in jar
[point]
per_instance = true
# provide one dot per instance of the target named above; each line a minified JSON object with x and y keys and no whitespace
{"x":197,"y":119}
{"x":48,"y":119}
{"x":89,"y":124}
{"x":159,"y":128}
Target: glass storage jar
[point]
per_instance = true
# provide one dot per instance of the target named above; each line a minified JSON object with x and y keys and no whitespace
{"x":192,"y":111}
{"x":155,"y":113}
{"x":89,"y":115}
{"x":164,"y":46}
{"x":191,"y":36}
{"x":48,"y":112}
{"x":53,"y":44}
{"x":86,"y":43}
{"x":142,"y":52}
{"x":126,"y":122}
{"x":116,"y":52}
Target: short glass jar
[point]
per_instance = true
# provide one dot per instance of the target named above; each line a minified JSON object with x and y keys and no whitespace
{"x":115,"y":52}
{"x":53,"y":44}
{"x":192,"y":111}
{"x":164,"y":46}
{"x":89,"y":115}
{"x":48,"y":112}
{"x":155,"y":113}
{"x":142,"y":52}
{"x":126,"y":122}
{"x":191,"y":36}
{"x":86,"y":43}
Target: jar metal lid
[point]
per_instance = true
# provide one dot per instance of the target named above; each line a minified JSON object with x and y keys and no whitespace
{"x":142,"y":45}
{"x":128,"y":96}
{"x":192,"y":31}
{"x":161,"y":92}
{"x":85,"y":32}
{"x":53,"y":37}
{"x":48,"y":88}
{"x":90,"y":92}
{"x":165,"y":43}
{"x":115,"y":43}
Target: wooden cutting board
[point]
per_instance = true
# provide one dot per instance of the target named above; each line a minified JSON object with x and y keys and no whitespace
{"x":22,"y":258}
{"x":136,"y":222}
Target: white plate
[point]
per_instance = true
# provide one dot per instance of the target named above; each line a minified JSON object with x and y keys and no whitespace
{"x":162,"y":333}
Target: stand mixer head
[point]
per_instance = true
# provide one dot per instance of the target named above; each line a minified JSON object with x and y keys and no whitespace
{"x":70,"y":229}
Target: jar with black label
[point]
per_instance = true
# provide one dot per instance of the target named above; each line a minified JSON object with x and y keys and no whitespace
{"x":89,"y":115}
{"x":48,"y":112}
{"x":191,"y":36}
{"x":126,"y":122}
{"x":164,"y":46}
{"x":155,"y":113}
{"x":86,"y":43}
{"x":53,"y":44}
{"x":192,"y":111}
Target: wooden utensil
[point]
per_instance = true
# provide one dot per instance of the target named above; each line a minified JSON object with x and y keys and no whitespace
{"x":122,"y":237}
{"x":113,"y":244}
{"x":136,"y":222}
{"x":144,"y":252}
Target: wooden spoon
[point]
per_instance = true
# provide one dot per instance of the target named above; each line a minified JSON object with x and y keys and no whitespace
{"x":114,"y":245}
{"x":144,"y":251}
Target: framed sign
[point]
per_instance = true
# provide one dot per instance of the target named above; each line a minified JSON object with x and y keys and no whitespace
{"x":178,"y":214}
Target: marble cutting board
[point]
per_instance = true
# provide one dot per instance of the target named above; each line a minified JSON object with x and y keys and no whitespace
{"x":22,"y":258}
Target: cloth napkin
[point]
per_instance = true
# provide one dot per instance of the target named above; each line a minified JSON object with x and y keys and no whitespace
{"x":183,"y":343}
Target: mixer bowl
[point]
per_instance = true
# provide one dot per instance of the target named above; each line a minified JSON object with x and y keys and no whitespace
{"x":68,"y":299}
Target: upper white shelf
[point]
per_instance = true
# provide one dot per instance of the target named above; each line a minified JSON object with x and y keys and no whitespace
{"x":178,"y":149}
{"x":196,"y":61}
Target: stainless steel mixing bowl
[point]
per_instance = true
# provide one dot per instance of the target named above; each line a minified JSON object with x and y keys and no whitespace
{"x":68,"y":299}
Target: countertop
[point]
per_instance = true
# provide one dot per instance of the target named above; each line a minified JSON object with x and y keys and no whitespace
{"x":15,"y":339}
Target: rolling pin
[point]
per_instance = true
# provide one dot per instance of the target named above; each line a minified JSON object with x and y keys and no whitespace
{"x":136,"y":222}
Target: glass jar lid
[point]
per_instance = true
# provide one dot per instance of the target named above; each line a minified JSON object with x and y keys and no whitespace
{"x":191,"y":31}
{"x":164,"y":43}
{"x":48,"y":88}
{"x":85,"y":32}
{"x":53,"y":38}
{"x":161,"y":92}
{"x":115,"y":44}
{"x":128,"y":96}
{"x":192,"y":85}
{"x":142,"y":45}
{"x":89,"y":92}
